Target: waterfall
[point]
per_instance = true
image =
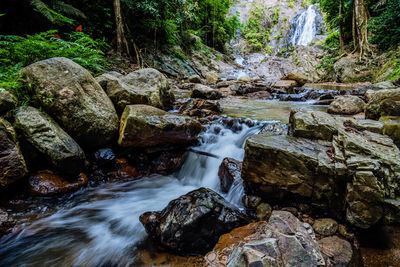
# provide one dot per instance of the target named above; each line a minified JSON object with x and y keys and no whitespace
{"x":304,"y":27}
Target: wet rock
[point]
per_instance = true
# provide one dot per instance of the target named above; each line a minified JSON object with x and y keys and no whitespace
{"x":8,"y":101}
{"x":47,"y":137}
{"x":70,"y":95}
{"x":250,"y":201}
{"x":105,"y":156}
{"x":211,"y":77}
{"x":260,"y":95}
{"x":205,"y":92}
{"x":337,"y":251}
{"x":345,"y":232}
{"x":325,"y":226}
{"x":346,"y":105}
{"x":229,"y":173}
{"x":283,"y":241}
{"x":201,"y":108}
{"x":392,"y":128}
{"x":301,"y":79}
{"x":264,"y":211}
{"x":381,"y":103}
{"x":146,"y":126}
{"x":285,"y":84}
{"x":144,"y":86}
{"x":47,"y":183}
{"x":244,"y":79}
{"x":194,"y":79}
{"x":12,"y":163}
{"x":188,"y":219}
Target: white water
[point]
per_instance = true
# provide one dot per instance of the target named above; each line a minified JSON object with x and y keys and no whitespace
{"x":304,"y":27}
{"x":101,"y":227}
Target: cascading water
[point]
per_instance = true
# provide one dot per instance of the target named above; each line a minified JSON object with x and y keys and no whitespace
{"x":100,"y":226}
{"x":304,"y":27}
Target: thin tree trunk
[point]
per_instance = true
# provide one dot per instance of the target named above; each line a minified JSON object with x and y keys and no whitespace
{"x":361,"y":18}
{"x":122,"y":43}
{"x":341,"y":27}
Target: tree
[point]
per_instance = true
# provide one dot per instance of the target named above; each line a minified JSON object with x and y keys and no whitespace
{"x":121,"y":41}
{"x":360,"y":29}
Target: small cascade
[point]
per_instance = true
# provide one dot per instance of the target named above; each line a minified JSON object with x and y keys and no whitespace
{"x":305,"y":27}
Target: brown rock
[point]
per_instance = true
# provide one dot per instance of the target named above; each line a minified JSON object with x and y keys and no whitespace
{"x":264,"y":211}
{"x":285,"y":84}
{"x":325,"y":227}
{"x":337,"y":249}
{"x":301,"y":79}
{"x":211,"y":78}
{"x":229,"y":172}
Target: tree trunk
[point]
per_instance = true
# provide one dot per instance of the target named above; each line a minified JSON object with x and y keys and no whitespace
{"x":122,"y":43}
{"x":341,"y":27}
{"x":360,"y":32}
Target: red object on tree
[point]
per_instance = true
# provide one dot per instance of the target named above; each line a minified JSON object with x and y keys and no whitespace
{"x":79,"y":28}
{"x":57,"y":36}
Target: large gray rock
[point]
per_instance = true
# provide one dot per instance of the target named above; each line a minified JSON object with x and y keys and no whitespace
{"x":205,"y":92}
{"x":193,"y":222}
{"x":346,"y":105}
{"x":300,"y":78}
{"x":145,"y":126}
{"x":44,"y":134}
{"x":383,"y":103}
{"x":70,"y":95}
{"x":12,"y":163}
{"x":284,"y":241}
{"x":340,"y":251}
{"x":8,"y":101}
{"x":144,"y":86}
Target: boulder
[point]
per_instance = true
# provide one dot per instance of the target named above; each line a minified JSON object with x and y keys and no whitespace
{"x":301,"y":79}
{"x":264,"y":211}
{"x":185,"y":224}
{"x":70,"y":95}
{"x":244,"y":78}
{"x":194,"y":79}
{"x":200,"y":107}
{"x":8,"y":101}
{"x":283,"y":241}
{"x":285,"y":84}
{"x":211,"y":77}
{"x":339,"y":251}
{"x":44,"y":134}
{"x":205,"y":92}
{"x":12,"y":163}
{"x":383,"y":103}
{"x":346,"y":105}
{"x":47,"y":183}
{"x":146,"y":126}
{"x":229,"y":173}
{"x":325,"y":226}
{"x":391,"y":128}
{"x":144,"y":86}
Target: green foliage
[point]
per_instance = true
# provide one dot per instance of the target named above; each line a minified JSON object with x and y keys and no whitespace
{"x":332,"y":40}
{"x":256,"y":31}
{"x":386,"y":26}
{"x":17,"y":52}
{"x":291,"y":4}
{"x":276,"y":16}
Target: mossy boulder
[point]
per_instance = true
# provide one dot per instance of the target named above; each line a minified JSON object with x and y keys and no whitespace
{"x":12,"y":162}
{"x":145,"y":126}
{"x":392,"y":128}
{"x":69,"y":94}
{"x":383,"y":103}
{"x":49,"y":139}
{"x":8,"y":101}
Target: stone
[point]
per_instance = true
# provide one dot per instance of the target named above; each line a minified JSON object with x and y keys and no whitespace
{"x":205,"y":92}
{"x":251,"y":202}
{"x":69,"y":94}
{"x":301,"y":79}
{"x":346,"y":105}
{"x":312,"y":124}
{"x":264,"y":211}
{"x":211,"y":78}
{"x":184,"y":225}
{"x":50,"y":140}
{"x":391,"y":128}
{"x":194,"y":79}
{"x":8,"y":101}
{"x":285,"y":84}
{"x":229,"y":173}
{"x":345,"y":232}
{"x":146,"y":126}
{"x":325,"y":226}
{"x":338,"y":250}
{"x":200,"y":107}
{"x":381,"y":103}
{"x":244,"y":79}
{"x":47,"y":183}
{"x":105,"y":157}
{"x":283,"y":241}
{"x":12,"y":162}
{"x":144,"y":86}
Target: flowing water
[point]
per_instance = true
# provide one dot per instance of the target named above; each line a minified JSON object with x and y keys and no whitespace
{"x":100,"y":225}
{"x":305,"y":27}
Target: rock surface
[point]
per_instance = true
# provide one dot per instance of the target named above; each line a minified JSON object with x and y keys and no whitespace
{"x":286,"y":84}
{"x":391,"y":128}
{"x":12,"y":163}
{"x":146,"y":126}
{"x":339,"y":251}
{"x":283,"y":241}
{"x":200,"y":107}
{"x":70,"y":95}
{"x":144,"y":86}
{"x":184,"y":225}
{"x":8,"y":101}
{"x":211,"y":77}
{"x":301,"y":79}
{"x":346,"y":105}
{"x":325,"y":227}
{"x":383,"y":103}
{"x":47,"y":183}
{"x":44,"y":134}
{"x":205,"y":92}
{"x":229,"y":173}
